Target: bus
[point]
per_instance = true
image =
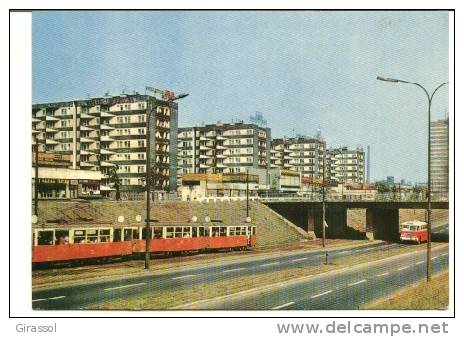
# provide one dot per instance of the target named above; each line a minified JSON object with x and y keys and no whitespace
{"x":413,"y":231}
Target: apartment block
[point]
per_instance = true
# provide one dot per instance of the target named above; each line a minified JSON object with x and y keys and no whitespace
{"x":439,"y":156}
{"x":223,"y":148}
{"x":109,"y":133}
{"x":301,"y":154}
{"x":345,"y":165}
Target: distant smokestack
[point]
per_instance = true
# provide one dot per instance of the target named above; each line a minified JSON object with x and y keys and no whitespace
{"x":368,"y":171}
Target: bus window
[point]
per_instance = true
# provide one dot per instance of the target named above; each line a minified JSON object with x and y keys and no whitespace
{"x":169,"y":232}
{"x":194,"y":232}
{"x":178,"y":232}
{"x":62,"y":237}
{"x":45,"y":238}
{"x":92,"y":235}
{"x":157,"y":232}
{"x":117,"y":235}
{"x":104,"y":235}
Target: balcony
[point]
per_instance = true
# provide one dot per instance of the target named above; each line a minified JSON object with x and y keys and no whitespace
{"x":220,"y":155}
{"x":51,"y":141}
{"x":204,"y":166}
{"x":85,"y":152}
{"x":86,"y":140}
{"x":219,"y":137}
{"x":106,"y":114}
{"x":107,"y":164}
{"x":106,"y":139}
{"x":106,"y":127}
{"x":51,"y":118}
{"x":106,"y":151}
{"x":202,"y":147}
{"x":50,"y":130}
{"x":86,"y":116}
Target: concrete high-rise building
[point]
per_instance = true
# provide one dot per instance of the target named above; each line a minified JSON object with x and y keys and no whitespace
{"x":345,"y":165}
{"x":439,"y":157}
{"x":110,"y":132}
{"x":223,"y":148}
{"x":302,"y":154}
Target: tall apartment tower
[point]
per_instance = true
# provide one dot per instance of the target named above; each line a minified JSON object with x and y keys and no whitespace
{"x":110,"y":132}
{"x":345,"y":165}
{"x":223,"y":148}
{"x":439,"y":157}
{"x":368,"y":168}
{"x":302,"y":154}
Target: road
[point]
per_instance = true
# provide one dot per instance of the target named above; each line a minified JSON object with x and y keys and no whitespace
{"x":338,"y":290}
{"x":79,"y":296}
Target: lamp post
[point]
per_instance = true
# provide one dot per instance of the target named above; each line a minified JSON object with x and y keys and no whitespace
{"x":323,"y":199}
{"x":429,"y":195}
{"x":148,"y":180}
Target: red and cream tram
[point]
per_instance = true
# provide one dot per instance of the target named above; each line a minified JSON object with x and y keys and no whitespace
{"x":81,"y":242}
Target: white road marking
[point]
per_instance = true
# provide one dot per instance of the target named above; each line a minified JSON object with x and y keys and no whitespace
{"x":46,"y":299}
{"x":420,"y":262}
{"x":356,"y":283}
{"x":322,"y":294}
{"x":300,"y":259}
{"x":403,"y":268}
{"x":232,"y":270}
{"x":383,"y":274}
{"x":56,"y":298}
{"x":269,"y":264}
{"x":283,"y":306}
{"x":39,"y":299}
{"x":126,"y":286}
{"x":183,"y":276}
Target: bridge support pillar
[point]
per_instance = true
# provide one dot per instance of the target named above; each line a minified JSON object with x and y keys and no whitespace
{"x":382,"y":224}
{"x":336,"y":221}
{"x":315,"y":222}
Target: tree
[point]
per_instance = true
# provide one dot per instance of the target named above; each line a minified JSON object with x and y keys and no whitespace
{"x":382,"y":186}
{"x":115,"y":180}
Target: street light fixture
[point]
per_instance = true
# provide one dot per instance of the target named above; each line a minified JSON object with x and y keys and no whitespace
{"x":148,"y":178}
{"x":429,"y":195}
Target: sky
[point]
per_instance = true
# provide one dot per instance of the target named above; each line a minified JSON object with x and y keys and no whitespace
{"x":302,"y":70}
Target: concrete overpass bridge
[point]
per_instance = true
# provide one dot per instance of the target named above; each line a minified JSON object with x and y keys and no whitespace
{"x":382,"y":217}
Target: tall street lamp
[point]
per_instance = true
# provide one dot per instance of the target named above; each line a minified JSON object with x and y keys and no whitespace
{"x":148,"y":180}
{"x":429,"y":195}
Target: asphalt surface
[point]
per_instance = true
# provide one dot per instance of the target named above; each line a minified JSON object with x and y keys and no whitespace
{"x":79,"y":296}
{"x":345,"y":290}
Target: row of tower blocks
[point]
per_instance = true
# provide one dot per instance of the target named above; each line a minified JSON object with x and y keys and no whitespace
{"x":109,"y":133}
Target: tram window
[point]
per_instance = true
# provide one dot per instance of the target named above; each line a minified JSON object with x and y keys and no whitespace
{"x":79,"y":236}
{"x":244,"y":231}
{"x":169,"y":232}
{"x":207,"y":231}
{"x":117,"y":235}
{"x":127,"y":234}
{"x":232,"y":231}
{"x":104,"y":235}
{"x":157,"y":232}
{"x":61,"y":237}
{"x":186,"y":233}
{"x":194,"y":232}
{"x":254,"y":231}
{"x":178,"y":232}
{"x":222,"y":231}
{"x":45,"y":238}
{"x":215,"y":231}
{"x":201,"y":231}
{"x":135,"y":234}
{"x":92,"y":236}
{"x":144,"y":231}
